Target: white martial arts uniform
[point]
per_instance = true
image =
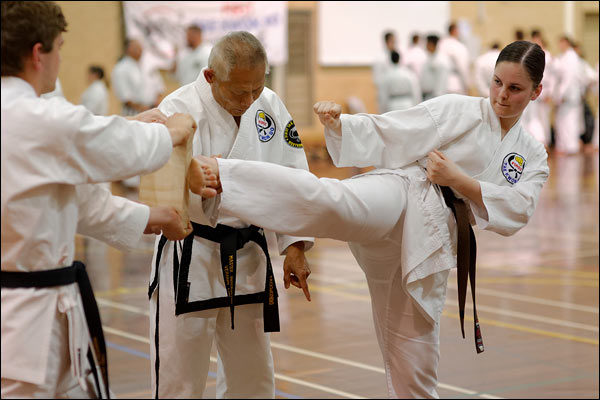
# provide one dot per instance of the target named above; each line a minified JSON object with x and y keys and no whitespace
{"x":434,"y":75}
{"x":568,"y":120}
{"x":414,"y":58}
{"x":51,"y":151}
{"x":400,"y":89}
{"x":484,"y":71}
{"x":458,"y":55}
{"x":129,"y":84}
{"x":95,"y":98}
{"x":381,"y":66}
{"x":396,"y":222}
{"x":191,"y":62}
{"x":57,"y":92}
{"x":266,"y":133}
{"x":537,"y":114}
{"x":595,"y":137}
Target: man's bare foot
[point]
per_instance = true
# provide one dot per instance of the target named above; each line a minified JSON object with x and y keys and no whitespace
{"x":203,"y":176}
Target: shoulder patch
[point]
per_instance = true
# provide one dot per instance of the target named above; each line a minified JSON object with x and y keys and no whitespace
{"x":265,"y":126}
{"x":512,"y":167}
{"x":290,"y":135}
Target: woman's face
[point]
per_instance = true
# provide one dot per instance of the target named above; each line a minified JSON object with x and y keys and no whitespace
{"x":511,"y":89}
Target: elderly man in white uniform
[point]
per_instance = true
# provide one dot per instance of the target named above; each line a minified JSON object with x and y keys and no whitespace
{"x":194,"y":58}
{"x":400,"y":87}
{"x":394,"y":217}
{"x":52,"y":153}
{"x":240,"y":119}
{"x":458,"y":55}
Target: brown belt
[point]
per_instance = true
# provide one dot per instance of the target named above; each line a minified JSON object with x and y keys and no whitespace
{"x":466,"y":255}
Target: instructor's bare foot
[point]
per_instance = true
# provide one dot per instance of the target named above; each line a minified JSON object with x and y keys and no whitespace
{"x":203,"y":176}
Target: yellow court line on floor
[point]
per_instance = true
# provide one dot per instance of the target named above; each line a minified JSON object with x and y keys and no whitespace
{"x":532,"y":269}
{"x":526,"y":329}
{"x":348,"y":263}
{"x":282,"y":377}
{"x":122,"y":290}
{"x":490,"y":321}
{"x":313,"y":354}
{"x":539,"y":281}
{"x":560,"y":236}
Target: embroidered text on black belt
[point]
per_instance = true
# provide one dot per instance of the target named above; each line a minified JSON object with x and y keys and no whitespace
{"x":465,"y":259}
{"x":66,"y":276}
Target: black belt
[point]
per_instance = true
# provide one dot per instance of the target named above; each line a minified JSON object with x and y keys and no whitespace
{"x":66,"y":276}
{"x":231,"y":240}
{"x":466,"y":249}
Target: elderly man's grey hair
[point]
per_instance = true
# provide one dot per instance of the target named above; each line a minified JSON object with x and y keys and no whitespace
{"x":237,"y":49}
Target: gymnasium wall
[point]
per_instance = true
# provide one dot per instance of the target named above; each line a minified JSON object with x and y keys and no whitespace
{"x":96,"y":32}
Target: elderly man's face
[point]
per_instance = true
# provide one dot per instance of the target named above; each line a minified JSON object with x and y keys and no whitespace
{"x":242,"y":88}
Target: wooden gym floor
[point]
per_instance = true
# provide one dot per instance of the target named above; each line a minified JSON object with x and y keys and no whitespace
{"x":537,"y":295}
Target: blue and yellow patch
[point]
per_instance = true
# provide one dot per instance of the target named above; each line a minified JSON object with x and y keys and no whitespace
{"x":290,"y":135}
{"x":265,"y":126}
{"x":512,"y":167}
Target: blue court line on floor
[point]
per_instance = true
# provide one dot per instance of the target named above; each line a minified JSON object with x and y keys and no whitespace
{"x":210,"y":373}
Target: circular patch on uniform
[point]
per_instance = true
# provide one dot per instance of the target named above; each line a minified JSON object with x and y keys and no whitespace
{"x":512,"y":167}
{"x":265,"y":125}
{"x":290,"y":135}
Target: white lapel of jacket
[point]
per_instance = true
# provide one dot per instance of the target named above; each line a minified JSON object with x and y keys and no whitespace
{"x":219,"y":120}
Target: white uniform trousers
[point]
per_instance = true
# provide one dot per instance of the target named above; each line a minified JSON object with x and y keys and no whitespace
{"x":408,"y":342}
{"x":569,"y":127}
{"x":245,"y":362}
{"x":59,"y":382}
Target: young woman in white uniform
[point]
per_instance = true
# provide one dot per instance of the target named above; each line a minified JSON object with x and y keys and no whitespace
{"x":394,"y":217}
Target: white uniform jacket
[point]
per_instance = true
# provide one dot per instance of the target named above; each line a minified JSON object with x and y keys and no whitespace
{"x":414,"y":58}
{"x":51,"y":151}
{"x":434,"y":75}
{"x":511,"y":171}
{"x":400,"y":89}
{"x":266,"y":133}
{"x":95,"y":98}
{"x":129,"y":83}
{"x":458,"y":54}
{"x":191,"y":62}
{"x":536,"y":116}
{"x":484,"y":71}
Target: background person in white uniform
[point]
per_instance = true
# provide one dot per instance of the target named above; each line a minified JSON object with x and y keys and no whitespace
{"x":192,"y":59}
{"x":400,"y":86}
{"x":568,"y":120}
{"x":239,"y":118}
{"x":537,"y":115}
{"x":401,"y":234}
{"x":415,"y":56}
{"x":128,"y":80}
{"x":382,"y":65}
{"x":434,"y":75}
{"x":459,"y":58}
{"x":95,"y":96}
{"x":484,"y":70}
{"x":52,"y":155}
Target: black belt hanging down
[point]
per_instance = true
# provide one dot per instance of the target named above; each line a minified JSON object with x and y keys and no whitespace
{"x":66,"y":276}
{"x":231,"y":240}
{"x":466,"y":256}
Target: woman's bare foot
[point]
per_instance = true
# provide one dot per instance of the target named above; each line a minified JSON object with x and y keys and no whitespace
{"x":203,"y":176}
